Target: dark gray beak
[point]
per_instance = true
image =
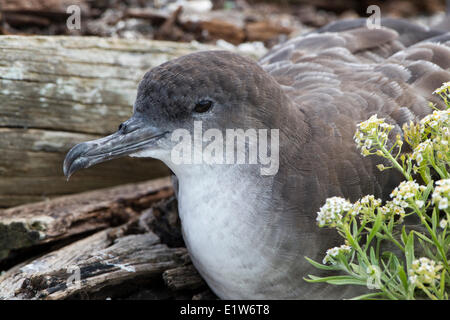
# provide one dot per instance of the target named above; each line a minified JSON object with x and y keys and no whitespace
{"x":131,"y":137}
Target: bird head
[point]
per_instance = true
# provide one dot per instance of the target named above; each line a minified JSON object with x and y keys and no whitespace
{"x":221,"y":89}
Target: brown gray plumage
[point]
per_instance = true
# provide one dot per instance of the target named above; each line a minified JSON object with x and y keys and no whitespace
{"x":248,"y":234}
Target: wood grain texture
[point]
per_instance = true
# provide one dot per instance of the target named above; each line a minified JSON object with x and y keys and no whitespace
{"x":104,"y":260}
{"x":112,"y":243}
{"x":67,"y":216}
{"x":58,"y":91}
{"x":184,"y":277}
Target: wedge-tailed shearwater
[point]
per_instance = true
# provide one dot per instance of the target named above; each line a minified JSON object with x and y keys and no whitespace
{"x":248,"y":233}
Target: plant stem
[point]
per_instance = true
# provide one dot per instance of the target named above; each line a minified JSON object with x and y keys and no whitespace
{"x":393,"y":160}
{"x":433,"y":235}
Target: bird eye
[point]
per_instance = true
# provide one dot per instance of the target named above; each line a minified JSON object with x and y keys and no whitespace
{"x":203,"y":106}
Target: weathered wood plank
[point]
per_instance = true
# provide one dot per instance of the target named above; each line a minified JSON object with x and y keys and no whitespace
{"x":58,"y":91}
{"x":63,"y":81}
{"x":136,"y":259}
{"x":102,"y":260}
{"x":31,"y":167}
{"x":184,"y":277}
{"x":49,"y":221}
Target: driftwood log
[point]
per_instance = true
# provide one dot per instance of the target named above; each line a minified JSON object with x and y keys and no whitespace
{"x":68,"y":216}
{"x":58,"y":91}
{"x":119,"y":243}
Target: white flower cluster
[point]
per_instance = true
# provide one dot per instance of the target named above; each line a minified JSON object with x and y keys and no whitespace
{"x":369,"y":131}
{"x":420,"y":152}
{"x":366,"y":205}
{"x":407,"y":190}
{"x":436,"y":119}
{"x":443,"y":89}
{"x":424,"y":271}
{"x":370,"y":199}
{"x":392,"y":209}
{"x":441,"y":194}
{"x":373,"y":123}
{"x":445,"y":131}
{"x":334,"y":252}
{"x":359,"y":138}
{"x":331,"y":212}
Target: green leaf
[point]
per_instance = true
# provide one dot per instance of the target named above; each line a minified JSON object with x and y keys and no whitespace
{"x":342,"y":258}
{"x":350,"y":239}
{"x":426,"y":247}
{"x":321,"y":266}
{"x":376,"y":227}
{"x":393,"y":264}
{"x":349,"y":281}
{"x":404,"y":236}
{"x":423,"y":237}
{"x":388,"y":254}
{"x":368,"y":296}
{"x":337,"y":280}
{"x":447,"y":241}
{"x":361,"y":262}
{"x":373,"y":258}
{"x":409,"y":250}
{"x":355,"y":267}
{"x":442,"y":285}
{"x":403,"y":277}
{"x":390,"y":225}
{"x":434,"y":219}
{"x":355,"y":227}
{"x":427,"y":191}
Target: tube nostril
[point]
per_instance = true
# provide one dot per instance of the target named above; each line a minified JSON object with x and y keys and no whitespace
{"x":129,"y":126}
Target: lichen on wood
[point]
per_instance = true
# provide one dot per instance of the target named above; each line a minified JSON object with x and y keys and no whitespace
{"x":59,"y":91}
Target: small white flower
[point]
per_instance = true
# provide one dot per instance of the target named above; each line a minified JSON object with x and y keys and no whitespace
{"x":371,"y":131}
{"x":445,"y":86}
{"x":332,"y":211}
{"x":413,"y":279}
{"x":443,"y":223}
{"x":420,"y":203}
{"x":424,"y":271}
{"x":443,"y":204}
{"x":441,"y":194}
{"x":334,"y":252}
{"x":391,"y":208}
{"x":407,"y":190}
{"x":368,"y":144}
{"x":421,"y":150}
{"x":419,"y":158}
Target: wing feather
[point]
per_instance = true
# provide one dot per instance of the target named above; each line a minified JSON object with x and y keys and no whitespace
{"x":344,"y":73}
